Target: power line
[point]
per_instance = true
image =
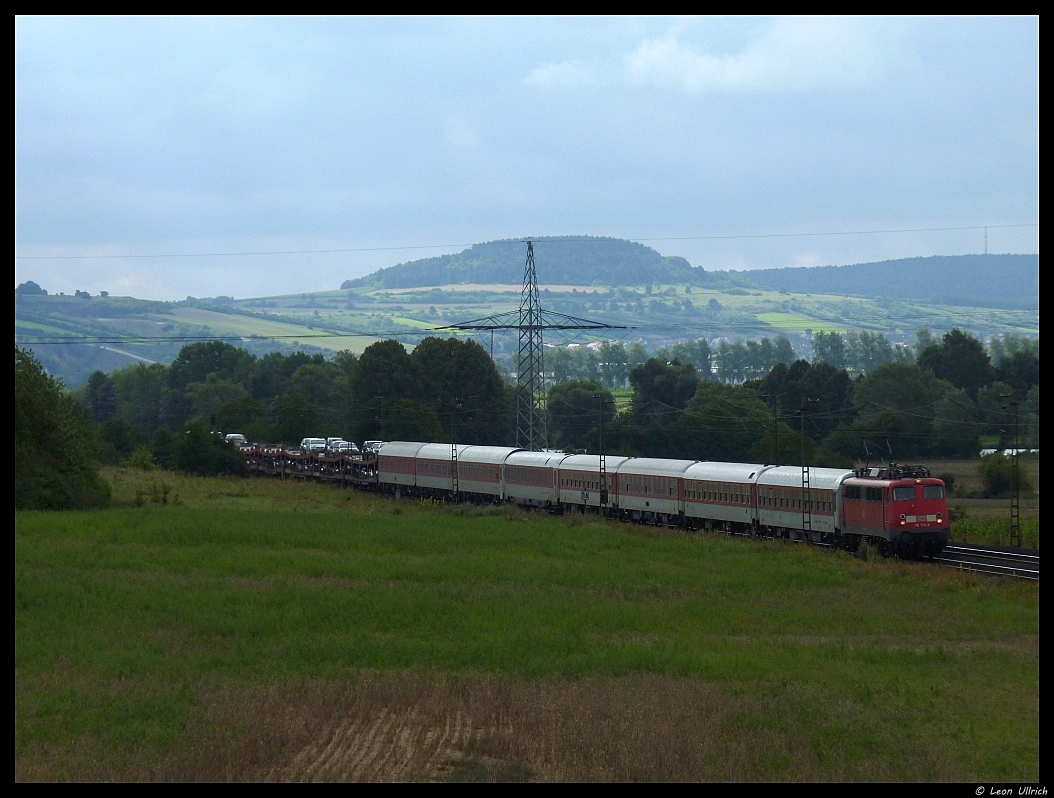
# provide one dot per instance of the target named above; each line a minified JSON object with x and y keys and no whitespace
{"x":546,"y":240}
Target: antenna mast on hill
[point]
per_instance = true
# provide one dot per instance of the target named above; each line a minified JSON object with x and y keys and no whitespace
{"x":529,"y":321}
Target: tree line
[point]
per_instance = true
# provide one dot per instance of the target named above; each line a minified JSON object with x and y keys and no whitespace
{"x":941,"y":404}
{"x":610,"y":363}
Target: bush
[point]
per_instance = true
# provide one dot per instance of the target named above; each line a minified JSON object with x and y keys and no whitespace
{"x":996,"y":475}
{"x":161,"y":447}
{"x":55,"y":467}
{"x":142,"y":458}
{"x":197,"y":450}
{"x":949,"y":482}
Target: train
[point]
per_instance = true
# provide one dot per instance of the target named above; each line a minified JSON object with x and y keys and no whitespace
{"x":894,"y":509}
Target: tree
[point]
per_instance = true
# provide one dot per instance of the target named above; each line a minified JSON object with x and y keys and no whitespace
{"x":732,"y":361}
{"x":462,"y":385}
{"x":1020,"y":371}
{"x":783,"y":350}
{"x":614,"y":364}
{"x":993,"y":401}
{"x":117,"y":440}
{"x":345,"y":360}
{"x":1009,"y":343}
{"x":960,"y":359}
{"x":923,"y":340}
{"x":384,"y":370}
{"x":197,"y":450}
{"x":659,"y":388}
{"x":140,"y":391}
{"x":161,"y":447}
{"x":411,"y":420}
{"x":829,"y":347}
{"x":296,"y":419}
{"x":789,"y":447}
{"x":956,"y":426}
{"x":323,"y":385}
{"x":826,"y":389}
{"x":271,"y":373}
{"x":245,"y":415}
{"x":1029,"y":428}
{"x":720,"y":422}
{"x":695,"y":352}
{"x":98,"y":398}
{"x":574,"y":412}
{"x":29,"y":288}
{"x":54,"y":463}
{"x":383,"y":375}
{"x":195,"y":362}
{"x":895,"y":405}
{"x":209,"y":395}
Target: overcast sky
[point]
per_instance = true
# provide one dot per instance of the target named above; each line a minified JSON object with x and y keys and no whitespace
{"x":145,"y":136}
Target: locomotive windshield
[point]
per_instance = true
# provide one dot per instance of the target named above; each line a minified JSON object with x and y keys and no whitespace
{"x":933,"y":492}
{"x":903,"y":494}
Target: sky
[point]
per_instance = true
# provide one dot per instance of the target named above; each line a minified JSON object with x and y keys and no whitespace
{"x":190,"y":137}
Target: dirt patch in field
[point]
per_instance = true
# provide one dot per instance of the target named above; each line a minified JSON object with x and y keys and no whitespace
{"x":407,"y":727}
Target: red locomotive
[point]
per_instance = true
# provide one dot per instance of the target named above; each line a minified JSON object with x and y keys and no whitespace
{"x":896,"y":508}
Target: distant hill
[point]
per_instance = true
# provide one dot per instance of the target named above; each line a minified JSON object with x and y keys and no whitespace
{"x":992,"y":281}
{"x":560,"y":261}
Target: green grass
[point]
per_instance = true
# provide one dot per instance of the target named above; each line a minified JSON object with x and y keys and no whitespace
{"x":123,"y":615}
{"x":794,"y":323}
{"x":41,"y":328}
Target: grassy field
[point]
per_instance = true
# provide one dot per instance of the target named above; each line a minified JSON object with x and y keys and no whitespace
{"x":793,"y":323}
{"x":248,"y":629}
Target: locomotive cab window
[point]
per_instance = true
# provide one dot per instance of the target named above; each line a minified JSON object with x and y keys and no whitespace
{"x":933,"y":492}
{"x":904,"y":494}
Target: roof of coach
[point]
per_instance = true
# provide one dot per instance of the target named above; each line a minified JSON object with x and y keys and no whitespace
{"x":525,"y":458}
{"x":790,"y":477}
{"x":439,"y":451}
{"x":655,"y":467}
{"x":401,"y":448}
{"x":724,"y":472}
{"x":485,"y":454}
{"x":591,"y":462}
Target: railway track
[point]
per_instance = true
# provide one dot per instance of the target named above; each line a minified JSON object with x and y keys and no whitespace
{"x":986,"y":560}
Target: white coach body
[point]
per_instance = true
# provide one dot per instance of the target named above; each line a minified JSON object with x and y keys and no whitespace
{"x":650,"y":487}
{"x":579,"y":479}
{"x":479,"y":470}
{"x":780,"y":497}
{"x":531,"y":478}
{"x":721,"y":491}
{"x":396,"y":463}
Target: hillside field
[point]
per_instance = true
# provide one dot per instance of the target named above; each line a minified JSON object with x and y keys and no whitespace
{"x":254,"y":629}
{"x":328,"y":321}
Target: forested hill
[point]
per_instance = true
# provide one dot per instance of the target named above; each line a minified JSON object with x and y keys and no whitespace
{"x":579,"y":260}
{"x":1010,"y":281}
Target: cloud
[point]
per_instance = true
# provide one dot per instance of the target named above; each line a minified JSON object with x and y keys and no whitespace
{"x":460,"y":134}
{"x":565,"y":75}
{"x":792,"y":54}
